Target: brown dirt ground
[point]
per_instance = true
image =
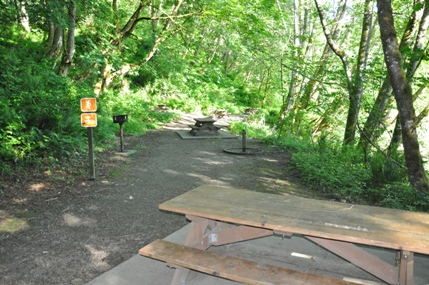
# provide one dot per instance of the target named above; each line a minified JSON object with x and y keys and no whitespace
{"x":71,"y":231}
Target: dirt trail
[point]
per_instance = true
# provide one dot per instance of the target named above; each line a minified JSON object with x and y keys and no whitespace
{"x":76,"y":233}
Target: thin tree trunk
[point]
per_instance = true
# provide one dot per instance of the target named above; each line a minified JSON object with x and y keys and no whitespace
{"x":23,"y":15}
{"x":127,"y":31}
{"x":354,"y":81}
{"x":403,"y":96}
{"x":355,"y":96}
{"x":131,"y":24}
{"x":55,"y":40}
{"x":162,"y":37}
{"x":70,"y":44}
{"x":290,"y":99}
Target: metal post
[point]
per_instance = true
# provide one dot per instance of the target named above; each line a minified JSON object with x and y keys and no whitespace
{"x":121,"y":134}
{"x":244,"y":140}
{"x":91,"y":154}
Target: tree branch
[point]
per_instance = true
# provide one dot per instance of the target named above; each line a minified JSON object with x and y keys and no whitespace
{"x":335,"y":48}
{"x":170,"y":17}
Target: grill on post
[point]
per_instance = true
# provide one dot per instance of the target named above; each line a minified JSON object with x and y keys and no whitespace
{"x":121,"y":119}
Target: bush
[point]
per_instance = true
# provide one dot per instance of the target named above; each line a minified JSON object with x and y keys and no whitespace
{"x":399,"y":196}
{"x":35,"y":105}
{"x":331,"y":175}
{"x":340,"y":174}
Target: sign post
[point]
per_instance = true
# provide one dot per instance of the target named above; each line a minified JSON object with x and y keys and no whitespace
{"x":88,"y":119}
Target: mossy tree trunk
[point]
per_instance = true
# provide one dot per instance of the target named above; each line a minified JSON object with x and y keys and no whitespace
{"x":403,"y":96}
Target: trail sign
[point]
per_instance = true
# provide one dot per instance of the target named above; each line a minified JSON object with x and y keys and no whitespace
{"x":88,"y":105}
{"x":88,"y":120}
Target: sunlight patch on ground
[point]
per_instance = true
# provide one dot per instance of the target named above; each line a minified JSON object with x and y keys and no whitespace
{"x":270,"y":160}
{"x":270,"y":172}
{"x":11,"y":224}
{"x":213,"y":162}
{"x":178,"y":128}
{"x":98,"y":257}
{"x":207,"y":180}
{"x":208,"y":153}
{"x":37,"y":187}
{"x":281,"y":186}
{"x":120,"y":157}
{"x":276,"y":181}
{"x":170,"y":171}
{"x":73,"y":221}
{"x":17,"y":200}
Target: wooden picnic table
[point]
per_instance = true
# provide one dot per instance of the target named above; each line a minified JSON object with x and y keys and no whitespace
{"x":338,"y":227}
{"x":204,"y":126}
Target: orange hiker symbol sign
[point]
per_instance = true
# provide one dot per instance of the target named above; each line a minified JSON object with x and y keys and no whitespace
{"x":88,"y":104}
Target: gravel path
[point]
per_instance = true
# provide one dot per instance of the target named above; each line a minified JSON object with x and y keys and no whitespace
{"x":86,"y":230}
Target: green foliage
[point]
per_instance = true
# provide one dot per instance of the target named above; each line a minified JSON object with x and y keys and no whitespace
{"x":142,"y":114}
{"x":331,"y":171}
{"x":387,"y":169}
{"x":338,"y":173}
{"x":254,"y":125}
{"x":398,"y":196}
{"x":251,"y":130}
{"x":35,"y":105}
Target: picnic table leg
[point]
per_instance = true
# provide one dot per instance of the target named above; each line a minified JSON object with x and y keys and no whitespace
{"x":406,"y":267}
{"x":214,"y":129}
{"x":361,"y":258}
{"x":195,"y":235}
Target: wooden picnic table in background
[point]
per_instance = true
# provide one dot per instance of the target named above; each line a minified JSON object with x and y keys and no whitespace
{"x":204,"y":126}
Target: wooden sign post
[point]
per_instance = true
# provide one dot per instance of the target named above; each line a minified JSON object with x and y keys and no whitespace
{"x":88,"y":119}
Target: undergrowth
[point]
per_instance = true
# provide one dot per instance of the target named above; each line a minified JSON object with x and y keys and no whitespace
{"x":339,"y":173}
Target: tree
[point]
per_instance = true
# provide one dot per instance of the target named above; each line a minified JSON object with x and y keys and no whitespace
{"x":171,"y":27}
{"x":373,"y":127}
{"x":69,"y":46}
{"x":354,"y":76}
{"x":403,"y":96}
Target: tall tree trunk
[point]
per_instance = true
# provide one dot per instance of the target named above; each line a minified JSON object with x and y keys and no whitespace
{"x":403,"y":96}
{"x":413,"y":63}
{"x":371,"y":132}
{"x":70,"y":44}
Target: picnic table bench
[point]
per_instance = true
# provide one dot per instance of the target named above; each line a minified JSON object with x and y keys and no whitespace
{"x":226,"y":215}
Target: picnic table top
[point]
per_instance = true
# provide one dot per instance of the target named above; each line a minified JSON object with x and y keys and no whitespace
{"x":376,"y":226}
{"x":205,"y":120}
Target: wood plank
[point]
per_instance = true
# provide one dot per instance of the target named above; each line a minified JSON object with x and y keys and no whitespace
{"x":232,"y":268}
{"x":383,"y":227}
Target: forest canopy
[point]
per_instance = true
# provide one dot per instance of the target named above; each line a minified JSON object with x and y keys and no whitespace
{"x":341,"y":84}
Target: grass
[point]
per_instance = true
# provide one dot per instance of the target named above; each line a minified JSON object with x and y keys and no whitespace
{"x":12,"y":224}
